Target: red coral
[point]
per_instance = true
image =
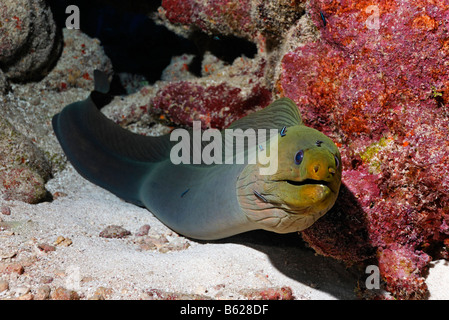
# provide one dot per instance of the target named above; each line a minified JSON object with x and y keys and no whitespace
{"x":359,"y":85}
{"x":402,"y":267}
{"x":223,"y":16}
{"x":244,"y":18}
{"x":179,"y":11}
{"x":215,"y":106}
{"x":359,"y":82}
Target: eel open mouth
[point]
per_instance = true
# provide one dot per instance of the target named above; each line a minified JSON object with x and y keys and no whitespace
{"x":307,"y":181}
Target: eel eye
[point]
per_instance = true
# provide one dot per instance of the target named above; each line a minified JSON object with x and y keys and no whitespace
{"x":299,"y":156}
{"x":337,"y":162}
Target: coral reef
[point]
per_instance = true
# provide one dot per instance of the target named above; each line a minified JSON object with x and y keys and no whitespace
{"x":81,"y":55}
{"x":365,"y":87}
{"x":233,"y":17}
{"x":218,"y":100}
{"x":372,"y":76}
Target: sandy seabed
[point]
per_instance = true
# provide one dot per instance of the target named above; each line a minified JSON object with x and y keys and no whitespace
{"x":125,"y":269}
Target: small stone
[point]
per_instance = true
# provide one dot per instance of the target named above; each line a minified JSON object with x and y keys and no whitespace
{"x":143,"y":230}
{"x":6,"y":210}
{"x":59,"y":240}
{"x":97,"y":297}
{"x":283,"y":293}
{"x":114,"y":231}
{"x":102,"y":293}
{"x":21,"y":290}
{"x":157,"y":241}
{"x":27,"y":296}
{"x":164,"y":249}
{"x":60,"y":273}
{"x":42,"y":293}
{"x":87,"y":279}
{"x":61,"y":293}
{"x":46,"y":279}
{"x":10,"y":268}
{"x":46,"y":247}
{"x":4,"y":285}
{"x":59,"y":194}
{"x":7,"y":255}
{"x":63,"y":242}
{"x":147,"y":246}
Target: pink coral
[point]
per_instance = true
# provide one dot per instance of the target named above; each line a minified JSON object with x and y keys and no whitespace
{"x":234,"y":17}
{"x":372,"y":76}
{"x":215,"y":106}
{"x":362,"y":85}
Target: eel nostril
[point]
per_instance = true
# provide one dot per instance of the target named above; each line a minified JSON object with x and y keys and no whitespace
{"x":316,"y":168}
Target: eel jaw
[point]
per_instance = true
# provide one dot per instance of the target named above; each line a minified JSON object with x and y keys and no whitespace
{"x":284,"y":205}
{"x":308,"y":182}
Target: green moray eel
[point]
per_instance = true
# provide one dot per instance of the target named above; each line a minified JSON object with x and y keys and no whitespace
{"x":206,"y":201}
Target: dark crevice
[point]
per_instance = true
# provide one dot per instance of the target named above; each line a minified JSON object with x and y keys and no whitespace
{"x":225,"y":48}
{"x":137,"y":45}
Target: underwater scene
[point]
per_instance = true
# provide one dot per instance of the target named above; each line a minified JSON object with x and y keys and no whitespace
{"x":224,"y":150}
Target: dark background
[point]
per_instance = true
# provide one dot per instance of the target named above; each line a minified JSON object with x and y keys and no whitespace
{"x":137,"y":45}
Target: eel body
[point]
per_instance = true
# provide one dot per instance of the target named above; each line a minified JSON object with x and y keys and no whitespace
{"x":207,"y":201}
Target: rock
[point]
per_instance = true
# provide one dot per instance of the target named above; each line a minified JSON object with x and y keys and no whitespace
{"x":15,"y":29}
{"x":7,"y":254}
{"x":61,"y":293}
{"x":31,"y":42}
{"x":5,"y":210}
{"x":26,"y":296}
{"x":21,"y":290}
{"x":102,"y":293}
{"x":45,"y":247}
{"x":156,"y":294}
{"x":42,"y":293}
{"x":46,"y":279}
{"x":216,"y":106}
{"x":24,"y":184}
{"x":114,"y":231}
{"x":25,"y":167}
{"x":4,"y":285}
{"x":81,"y":55}
{"x":217,"y":99}
{"x":234,"y":17}
{"x":143,"y":230}
{"x":11,"y":268}
{"x":161,"y":243}
{"x":30,"y":106}
{"x":63,"y":242}
{"x":4,"y":84}
{"x":59,"y":194}
{"x":283,"y":293}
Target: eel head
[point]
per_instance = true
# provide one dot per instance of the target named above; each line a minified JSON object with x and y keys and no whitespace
{"x":304,"y":187}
